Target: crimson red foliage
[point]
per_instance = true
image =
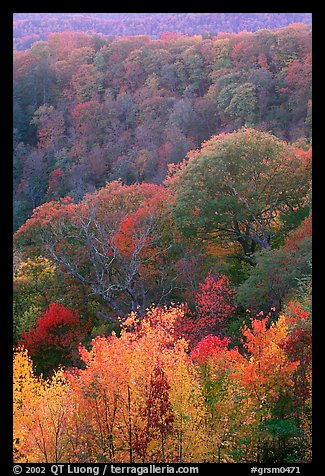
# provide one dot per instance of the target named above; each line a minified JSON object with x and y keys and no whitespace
{"x":214,"y":301}
{"x":208,"y":348}
{"x":58,"y":328}
{"x":157,"y":413}
{"x":298,"y":345}
{"x":214,"y":304}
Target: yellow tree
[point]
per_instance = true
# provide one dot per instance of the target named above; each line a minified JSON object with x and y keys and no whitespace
{"x":40,"y":413}
{"x":189,"y":443}
{"x":226,"y":412}
{"x":26,"y":388}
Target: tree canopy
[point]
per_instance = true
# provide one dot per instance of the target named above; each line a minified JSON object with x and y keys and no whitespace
{"x":239,"y":185}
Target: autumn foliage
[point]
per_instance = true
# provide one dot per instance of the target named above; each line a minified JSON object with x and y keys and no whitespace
{"x":162,"y":252}
{"x":165,"y":382}
{"x":141,"y":397}
{"x":214,"y":304}
{"x":55,"y":336}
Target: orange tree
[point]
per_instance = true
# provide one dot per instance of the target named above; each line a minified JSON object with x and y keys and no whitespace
{"x":116,"y":242}
{"x":265,"y":376}
{"x":142,"y":397}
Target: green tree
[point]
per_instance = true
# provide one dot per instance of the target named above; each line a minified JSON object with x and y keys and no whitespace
{"x":243,"y":104}
{"x":237,"y":187}
{"x":275,"y":277}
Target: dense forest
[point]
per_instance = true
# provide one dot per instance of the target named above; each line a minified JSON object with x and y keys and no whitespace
{"x":162,"y":239}
{"x":31,"y":27}
{"x":88,"y":110}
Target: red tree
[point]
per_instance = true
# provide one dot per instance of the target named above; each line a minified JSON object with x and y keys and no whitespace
{"x":298,"y":346}
{"x":214,"y":304}
{"x":56,"y":184}
{"x":209,"y":348}
{"x":157,"y":414}
{"x":55,"y":338}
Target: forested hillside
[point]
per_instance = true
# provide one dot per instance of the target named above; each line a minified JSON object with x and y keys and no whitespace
{"x":31,"y":27}
{"x":88,"y":110}
{"x":162,"y":244}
